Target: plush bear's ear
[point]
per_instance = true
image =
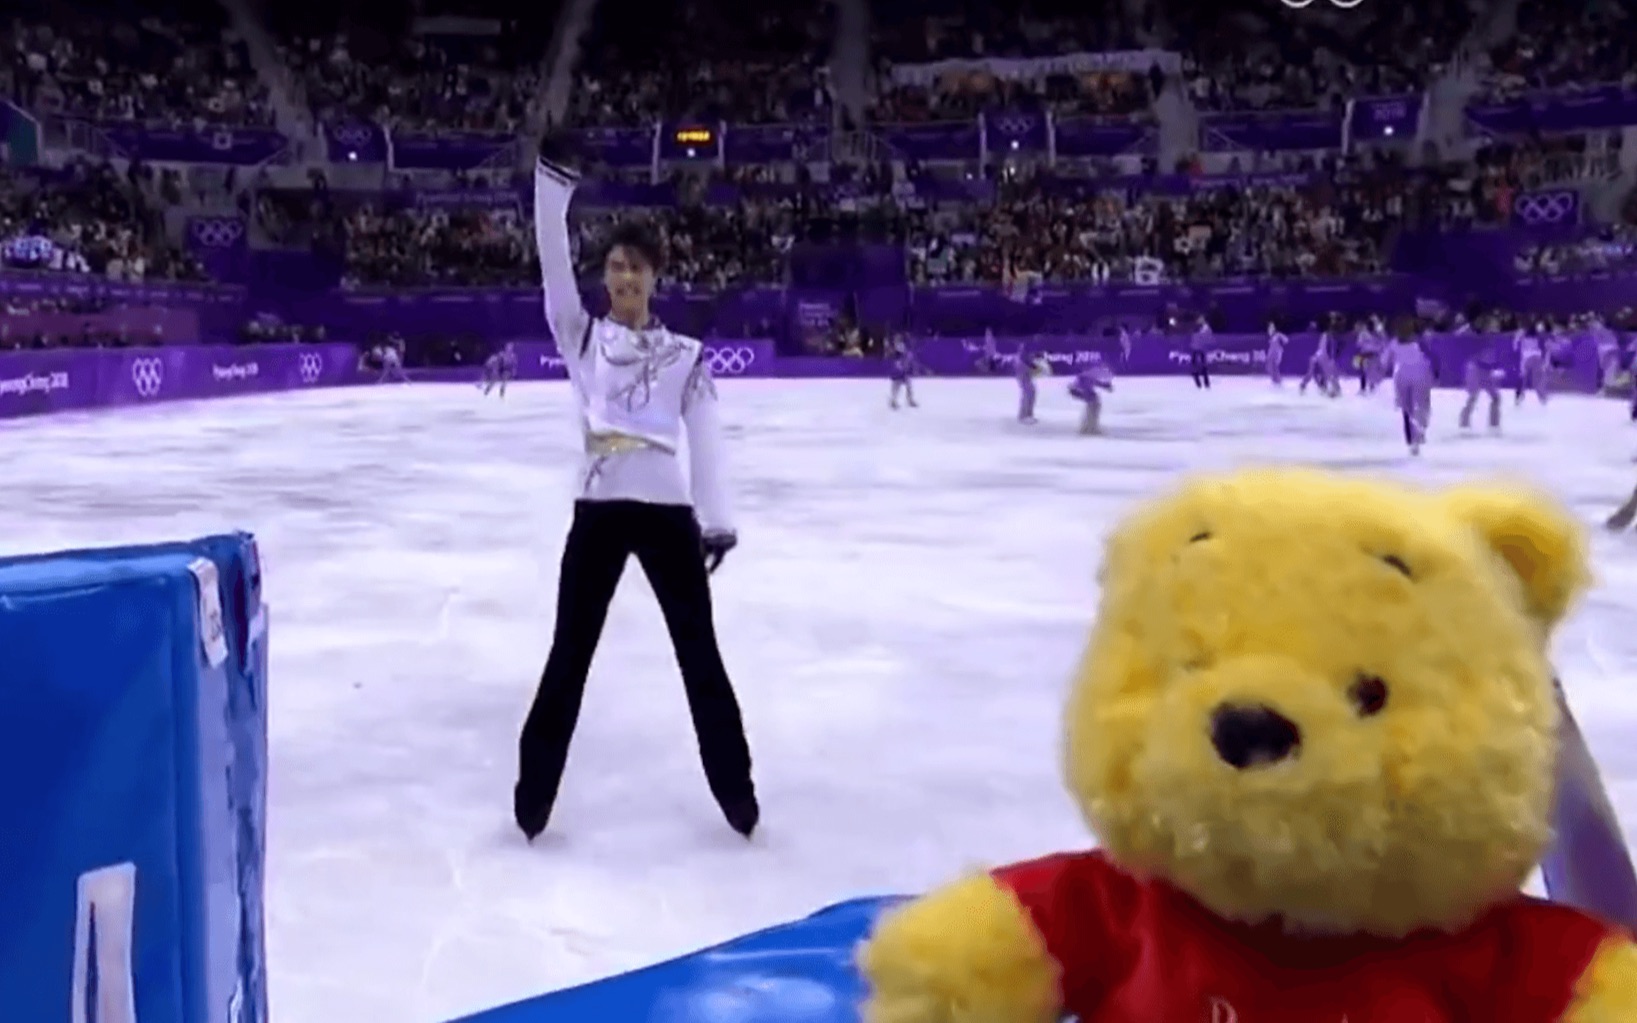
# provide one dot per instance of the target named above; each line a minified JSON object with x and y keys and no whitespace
{"x":1536,"y":536}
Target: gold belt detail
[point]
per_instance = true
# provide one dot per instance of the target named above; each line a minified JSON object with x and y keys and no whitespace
{"x":602,"y":445}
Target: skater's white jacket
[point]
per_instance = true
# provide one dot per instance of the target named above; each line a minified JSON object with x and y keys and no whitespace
{"x":637,"y":390}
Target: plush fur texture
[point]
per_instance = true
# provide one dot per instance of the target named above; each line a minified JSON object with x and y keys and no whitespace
{"x":965,"y":954}
{"x":1292,"y":589}
{"x":1608,"y":991}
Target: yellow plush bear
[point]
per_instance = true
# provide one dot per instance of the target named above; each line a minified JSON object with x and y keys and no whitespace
{"x":1315,"y":732}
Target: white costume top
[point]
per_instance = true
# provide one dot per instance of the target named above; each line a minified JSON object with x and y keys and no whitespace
{"x":637,"y":389}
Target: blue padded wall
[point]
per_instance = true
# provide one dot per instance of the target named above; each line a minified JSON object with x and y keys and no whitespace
{"x":133,"y":740}
{"x":799,"y":972}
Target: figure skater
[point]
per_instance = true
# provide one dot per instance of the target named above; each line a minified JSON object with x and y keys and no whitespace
{"x":499,"y":369}
{"x":1274,"y":361}
{"x":903,"y":368}
{"x":641,"y":390}
{"x":1199,"y":355}
{"x":1028,"y":367}
{"x":1322,"y":368}
{"x":1412,"y":374}
{"x":1095,"y":377}
{"x":1480,"y":376}
{"x":391,"y":356}
{"x":1532,"y":375}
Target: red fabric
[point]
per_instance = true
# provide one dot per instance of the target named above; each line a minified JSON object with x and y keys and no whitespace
{"x":1134,"y":951}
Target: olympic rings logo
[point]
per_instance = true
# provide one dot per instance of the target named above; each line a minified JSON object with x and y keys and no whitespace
{"x":730,"y":360}
{"x":1545,"y":207}
{"x":149,"y":377}
{"x":312,"y":367}
{"x":353,"y":136}
{"x":218,"y":232}
{"x":1012,"y":126}
{"x":1345,"y":5}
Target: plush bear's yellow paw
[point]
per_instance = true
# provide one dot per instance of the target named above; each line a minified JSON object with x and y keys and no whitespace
{"x":966,"y":953}
{"x":1607,"y":991}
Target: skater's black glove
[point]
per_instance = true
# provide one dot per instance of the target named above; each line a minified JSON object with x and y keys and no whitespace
{"x":557,"y":156}
{"x":715,"y":544}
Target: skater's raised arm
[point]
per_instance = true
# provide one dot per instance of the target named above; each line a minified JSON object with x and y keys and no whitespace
{"x":565,"y":313}
{"x":708,"y":481}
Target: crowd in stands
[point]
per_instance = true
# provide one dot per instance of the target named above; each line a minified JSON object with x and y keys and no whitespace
{"x":479,"y":72}
{"x":438,"y":247}
{"x":1557,"y":46}
{"x":920,"y":32}
{"x":1241,"y":59}
{"x":1040,"y":28}
{"x":703,"y":60}
{"x":92,"y":220}
{"x":1339,"y":220}
{"x":175,"y":64}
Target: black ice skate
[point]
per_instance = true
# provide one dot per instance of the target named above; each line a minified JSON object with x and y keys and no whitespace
{"x":1623,"y":517}
{"x":531,"y":810}
{"x":743,"y":814}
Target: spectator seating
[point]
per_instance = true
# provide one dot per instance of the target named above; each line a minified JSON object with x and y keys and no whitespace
{"x":470,"y":69}
{"x":703,"y":60}
{"x":176,"y":64}
{"x":1239,"y":59}
{"x":95,"y":220}
{"x":1557,"y":47}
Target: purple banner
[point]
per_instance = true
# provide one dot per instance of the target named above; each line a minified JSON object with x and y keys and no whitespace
{"x":355,"y":142}
{"x":241,"y":147}
{"x":469,"y":198}
{"x":1272,"y":131}
{"x":937,"y":140}
{"x":1016,"y":131}
{"x":66,"y":379}
{"x":1230,"y":354}
{"x":1555,"y":209}
{"x":620,"y":147}
{"x":1240,"y":305}
{"x":85,"y":287}
{"x":1173,"y":184}
{"x":772,"y":143}
{"x":138,"y":325}
{"x":464,"y":150}
{"x":61,"y":380}
{"x":1104,"y":136}
{"x":640,"y":193}
{"x":752,"y":357}
{"x":1607,"y":106}
{"x":1382,"y":117}
{"x":221,"y":245}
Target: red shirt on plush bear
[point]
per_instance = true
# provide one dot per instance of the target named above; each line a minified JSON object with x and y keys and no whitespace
{"x":1133,"y":950}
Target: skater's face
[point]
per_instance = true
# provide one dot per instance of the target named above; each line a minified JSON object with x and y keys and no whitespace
{"x":629,"y":279}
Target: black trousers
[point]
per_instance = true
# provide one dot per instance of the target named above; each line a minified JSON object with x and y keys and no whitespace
{"x":1199,"y":368}
{"x":665,"y":540}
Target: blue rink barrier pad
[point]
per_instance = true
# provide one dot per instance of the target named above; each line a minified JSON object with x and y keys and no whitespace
{"x":133,"y":732}
{"x":800,"y":972}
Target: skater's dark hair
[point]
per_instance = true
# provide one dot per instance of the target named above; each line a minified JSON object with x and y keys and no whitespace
{"x":640,"y":240}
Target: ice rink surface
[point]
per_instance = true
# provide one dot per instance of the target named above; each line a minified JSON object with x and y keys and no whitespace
{"x":911,"y":594}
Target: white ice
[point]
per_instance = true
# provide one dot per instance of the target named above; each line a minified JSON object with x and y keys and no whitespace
{"x":910,"y":597}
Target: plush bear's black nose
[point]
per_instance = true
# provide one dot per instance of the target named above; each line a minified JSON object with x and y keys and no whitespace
{"x":1250,"y":736}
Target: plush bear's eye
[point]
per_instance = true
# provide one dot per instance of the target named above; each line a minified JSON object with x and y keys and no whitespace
{"x":1398,"y":563}
{"x":1369,"y":695}
{"x":1197,"y":537}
